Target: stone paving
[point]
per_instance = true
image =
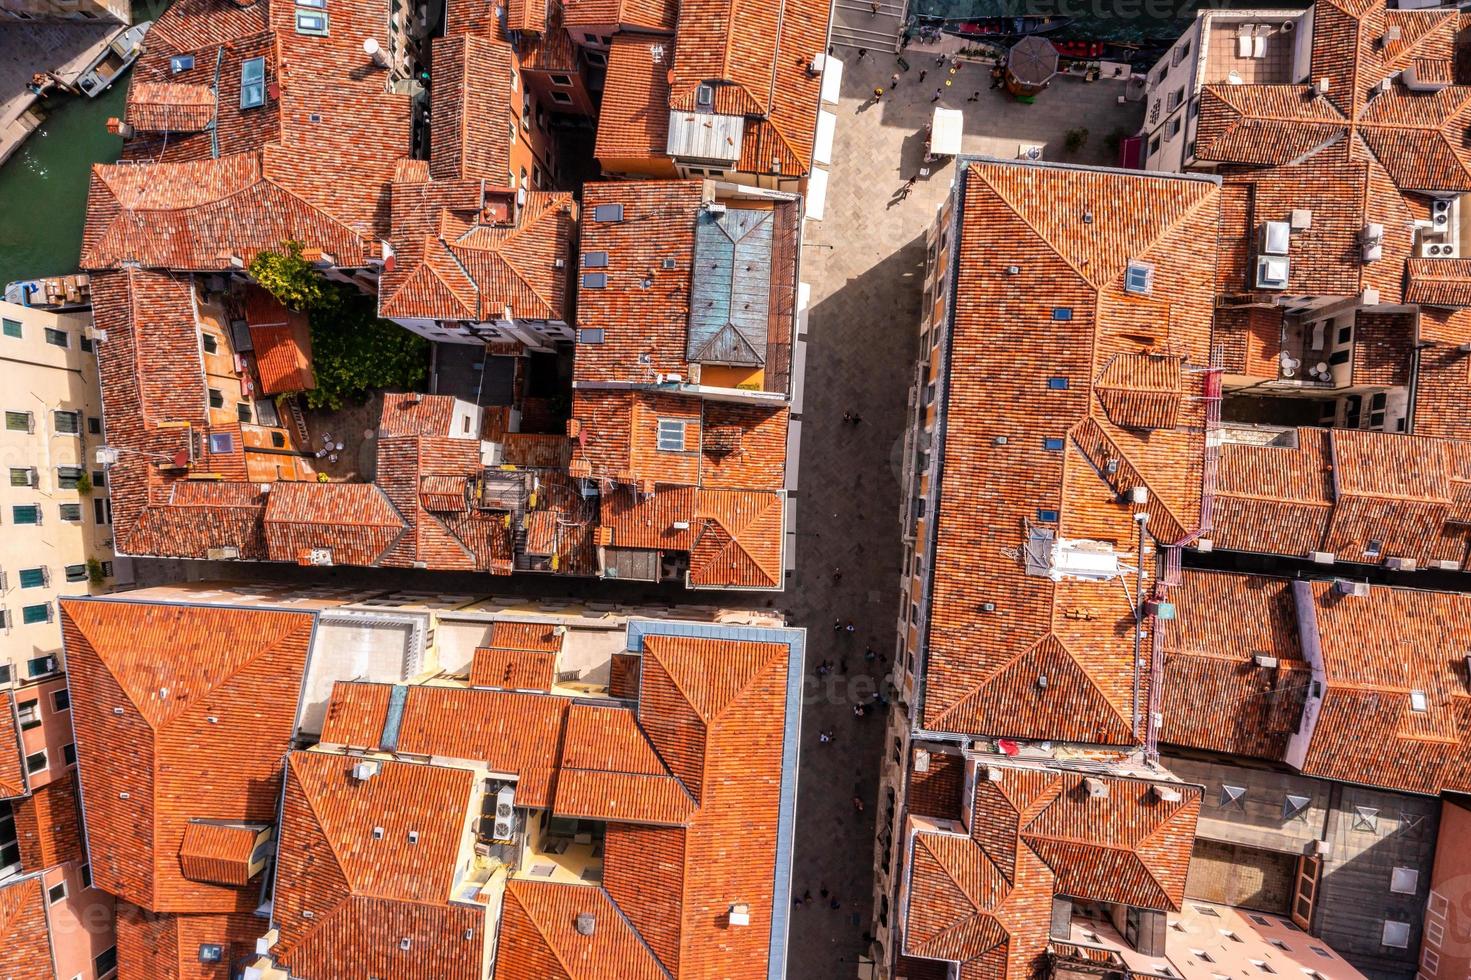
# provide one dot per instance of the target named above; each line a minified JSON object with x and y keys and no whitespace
{"x":865,"y":264}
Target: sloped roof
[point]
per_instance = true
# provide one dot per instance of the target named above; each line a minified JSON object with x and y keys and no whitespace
{"x":166,"y":945}
{"x":633,"y":120}
{"x":1373,"y":151}
{"x":48,"y":825}
{"x":626,"y":14}
{"x":12,"y":772}
{"x":538,"y":937}
{"x":984,"y":898}
{"x":470,"y":105}
{"x":196,"y":215}
{"x":219,"y":852}
{"x":1074,"y":371}
{"x":170,"y":107}
{"x":522,"y":670}
{"x":162,"y":740}
{"x":693,"y":768}
{"x":366,"y":892}
{"x":457,"y":267}
{"x":356,"y":521}
{"x":1216,"y":695}
{"x":26,"y":952}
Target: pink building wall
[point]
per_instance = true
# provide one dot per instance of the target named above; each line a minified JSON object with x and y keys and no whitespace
{"x":1445,"y":950}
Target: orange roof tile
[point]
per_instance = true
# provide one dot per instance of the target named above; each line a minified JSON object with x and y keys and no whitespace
{"x":1028,"y":445}
{"x":351,"y":895}
{"x":984,"y":899}
{"x":633,"y":120}
{"x":627,"y":15}
{"x":169,"y":107}
{"x":12,"y":773}
{"x":356,"y":522}
{"x":197,"y":734}
{"x":219,"y":852}
{"x":48,"y":825}
{"x":166,"y":946}
{"x":470,"y":106}
{"x":26,"y":952}
{"x":282,"y":359}
{"x":521,"y":670}
{"x":539,"y":939}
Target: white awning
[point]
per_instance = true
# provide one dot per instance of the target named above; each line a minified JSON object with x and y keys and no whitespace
{"x":945,"y":132}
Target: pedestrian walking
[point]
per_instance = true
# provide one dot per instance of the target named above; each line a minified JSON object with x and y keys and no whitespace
{"x":922,"y":73}
{"x":878,"y":92}
{"x":862,"y":53}
{"x":870,"y":654}
{"x":824,"y":737}
{"x":996,"y":76}
{"x":837,"y":625}
{"x":807,"y":895}
{"x":859,"y":711}
{"x":837,"y":575}
{"x":834,"y":904}
{"x":936,"y":97}
{"x":856,"y":417}
{"x":822,"y":891}
{"x":940,"y":60}
{"x":874,"y":6}
{"x":858,"y":804}
{"x":797,"y":900}
{"x":843,"y":666}
{"x":850,"y":626}
{"x":975,"y":96}
{"x":894,"y":80}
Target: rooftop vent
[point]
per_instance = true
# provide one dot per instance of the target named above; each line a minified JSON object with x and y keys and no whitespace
{"x":587,"y":923}
{"x":1390,"y":35}
{"x":1271,"y":272}
{"x":993,"y":774}
{"x":1301,"y":219}
{"x":377,"y":833}
{"x":1265,"y":660}
{"x":1343,"y":586}
{"x":504,"y":827}
{"x":1096,"y":787}
{"x":405,"y":943}
{"x":1166,"y":794}
{"x":1276,"y":236}
{"x":413,"y":837}
{"x":740,"y":914}
{"x":365,"y":770}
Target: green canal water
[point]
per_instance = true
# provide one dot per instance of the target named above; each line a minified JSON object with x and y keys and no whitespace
{"x":43,"y":186}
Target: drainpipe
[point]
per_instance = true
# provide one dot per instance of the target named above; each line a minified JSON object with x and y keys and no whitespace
{"x":1142,"y":519}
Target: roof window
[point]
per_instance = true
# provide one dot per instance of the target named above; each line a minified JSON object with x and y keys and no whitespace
{"x":590,"y":335}
{"x":705,"y":96}
{"x":594,"y":280}
{"x":221,"y":443}
{"x":594,"y":260}
{"x":671,"y":435}
{"x":1062,"y":313}
{"x":181,"y":62}
{"x":1057,"y":383}
{"x":1396,"y":934}
{"x":608,"y":212}
{"x":1404,"y":881}
{"x":1138,"y":279}
{"x":252,"y":83}
{"x":1052,"y":445}
{"x":1418,"y":701}
{"x":311,"y":22}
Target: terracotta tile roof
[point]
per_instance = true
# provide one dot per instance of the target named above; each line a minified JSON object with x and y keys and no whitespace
{"x":633,"y":120}
{"x":984,"y":899}
{"x":1045,"y":354}
{"x":1358,"y":494}
{"x":1439,"y":282}
{"x":196,"y":215}
{"x":219,"y":852}
{"x":48,"y":825}
{"x":659,"y":15}
{"x":1217,"y":694}
{"x":12,"y":770}
{"x":166,"y":946}
{"x":522,"y":670}
{"x":538,"y":938}
{"x":1367,"y":729}
{"x":937,"y":790}
{"x":26,"y":952}
{"x":1250,"y":339}
{"x":453,"y":264}
{"x":609,"y":771}
{"x":374,"y":888}
{"x":170,"y":107}
{"x":198,"y":734}
{"x":699,"y":759}
{"x":470,"y":106}
{"x":1443,"y":378}
{"x":282,"y":360}
{"x":1354,"y":155}
{"x":355,"y":521}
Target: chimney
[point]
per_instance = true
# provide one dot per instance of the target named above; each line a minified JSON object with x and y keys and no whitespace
{"x":375,"y":51}
{"x":587,"y":923}
{"x":117,"y":127}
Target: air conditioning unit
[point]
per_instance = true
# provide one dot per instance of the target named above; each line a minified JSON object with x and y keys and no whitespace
{"x":1096,"y":787}
{"x":1343,"y":586}
{"x":32,"y":477}
{"x":1276,"y":236}
{"x":1271,"y":272}
{"x":365,"y":770}
{"x":225,"y":553}
{"x":1371,"y":242}
{"x":1265,"y":660}
{"x":1320,"y":848}
{"x":559,"y":263}
{"x":1439,"y":250}
{"x":505,"y":814}
{"x":1166,"y":794}
{"x":1321,"y":557}
{"x":1401,"y":564}
{"x":492,"y":453}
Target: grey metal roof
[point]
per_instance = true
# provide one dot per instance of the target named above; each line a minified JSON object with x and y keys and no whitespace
{"x":730,"y":296}
{"x":707,"y":136}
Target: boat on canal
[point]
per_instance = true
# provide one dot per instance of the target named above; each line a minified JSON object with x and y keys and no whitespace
{"x":114,"y":61}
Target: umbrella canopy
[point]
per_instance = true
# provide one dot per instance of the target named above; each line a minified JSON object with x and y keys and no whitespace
{"x":1032,"y":61}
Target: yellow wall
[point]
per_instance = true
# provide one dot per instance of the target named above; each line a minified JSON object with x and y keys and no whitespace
{"x":41,"y":379}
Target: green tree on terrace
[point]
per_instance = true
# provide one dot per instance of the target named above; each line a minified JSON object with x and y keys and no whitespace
{"x":353,"y":351}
